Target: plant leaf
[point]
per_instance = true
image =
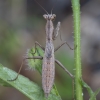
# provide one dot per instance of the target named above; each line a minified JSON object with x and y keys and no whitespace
{"x":93,"y":97}
{"x":24,"y":85}
{"x":91,"y":93}
{"x":87,"y":87}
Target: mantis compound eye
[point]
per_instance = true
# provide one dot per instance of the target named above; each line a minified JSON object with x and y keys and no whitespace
{"x":49,"y":16}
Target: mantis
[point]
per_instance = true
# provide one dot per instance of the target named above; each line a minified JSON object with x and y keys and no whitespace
{"x":48,"y":66}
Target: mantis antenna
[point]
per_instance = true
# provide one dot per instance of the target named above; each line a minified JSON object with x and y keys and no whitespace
{"x":53,"y":7}
{"x":41,"y":6}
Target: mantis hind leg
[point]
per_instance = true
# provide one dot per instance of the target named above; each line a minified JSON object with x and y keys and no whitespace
{"x":37,"y":57}
{"x":59,"y":63}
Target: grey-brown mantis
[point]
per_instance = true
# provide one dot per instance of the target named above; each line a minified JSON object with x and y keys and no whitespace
{"x":48,"y":66}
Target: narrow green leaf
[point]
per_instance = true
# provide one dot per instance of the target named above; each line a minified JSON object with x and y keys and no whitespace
{"x":93,"y":97}
{"x":91,"y":93}
{"x":24,"y":85}
{"x":87,"y":87}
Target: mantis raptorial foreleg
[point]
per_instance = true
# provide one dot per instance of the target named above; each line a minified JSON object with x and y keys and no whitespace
{"x":56,"y":31}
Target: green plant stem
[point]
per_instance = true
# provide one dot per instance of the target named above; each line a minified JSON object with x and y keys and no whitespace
{"x":78,"y":74}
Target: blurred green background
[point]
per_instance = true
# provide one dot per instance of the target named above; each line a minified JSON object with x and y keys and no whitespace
{"x":22,"y":23}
